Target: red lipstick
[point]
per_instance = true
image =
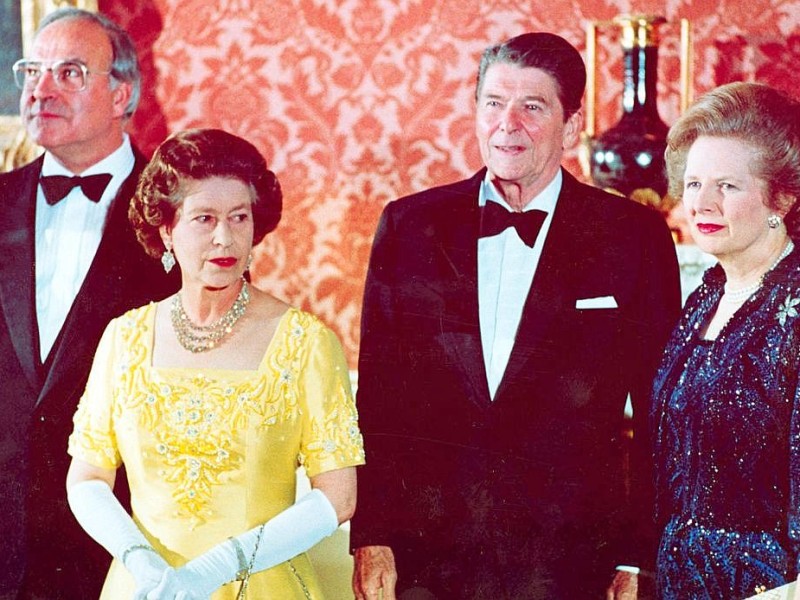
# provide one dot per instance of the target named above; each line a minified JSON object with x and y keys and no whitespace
{"x":709,"y":228}
{"x":225,"y":262}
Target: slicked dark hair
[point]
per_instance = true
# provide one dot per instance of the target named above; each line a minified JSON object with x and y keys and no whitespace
{"x":546,"y":51}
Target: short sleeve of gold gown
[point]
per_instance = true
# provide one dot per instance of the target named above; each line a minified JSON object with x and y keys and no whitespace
{"x":93,"y":438}
{"x":330,"y":437}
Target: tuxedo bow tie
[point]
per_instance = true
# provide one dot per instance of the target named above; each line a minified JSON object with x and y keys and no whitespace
{"x":495,"y":219}
{"x":56,"y":187}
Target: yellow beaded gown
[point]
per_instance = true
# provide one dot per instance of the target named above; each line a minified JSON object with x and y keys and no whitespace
{"x":212,"y":453}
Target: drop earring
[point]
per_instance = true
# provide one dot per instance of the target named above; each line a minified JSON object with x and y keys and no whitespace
{"x":773,"y":221}
{"x":168,"y":258}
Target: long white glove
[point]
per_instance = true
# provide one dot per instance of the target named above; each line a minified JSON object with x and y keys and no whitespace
{"x":101,"y":515}
{"x":286,"y":535}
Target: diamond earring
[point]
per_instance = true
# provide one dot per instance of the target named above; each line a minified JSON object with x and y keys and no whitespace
{"x":168,"y":258}
{"x":773,"y":221}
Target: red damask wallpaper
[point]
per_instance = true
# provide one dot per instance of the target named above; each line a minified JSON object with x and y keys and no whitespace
{"x":357,"y":102}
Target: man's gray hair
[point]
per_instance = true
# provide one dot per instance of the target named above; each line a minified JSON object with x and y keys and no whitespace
{"x":125,"y":63}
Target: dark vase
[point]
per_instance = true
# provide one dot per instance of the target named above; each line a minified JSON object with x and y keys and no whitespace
{"x":628,"y":158}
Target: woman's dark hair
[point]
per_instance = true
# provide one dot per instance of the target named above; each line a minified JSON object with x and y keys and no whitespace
{"x":757,"y":115}
{"x":194,"y":155}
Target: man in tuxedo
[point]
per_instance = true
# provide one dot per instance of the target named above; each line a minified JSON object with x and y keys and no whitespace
{"x":495,"y":363}
{"x":71,"y":264}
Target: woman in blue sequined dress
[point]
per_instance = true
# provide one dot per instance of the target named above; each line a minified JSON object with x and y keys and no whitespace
{"x":726,"y":399}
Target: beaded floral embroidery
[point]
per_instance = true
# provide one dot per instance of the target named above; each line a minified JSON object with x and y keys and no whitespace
{"x":192,"y":427}
{"x":198,"y":422}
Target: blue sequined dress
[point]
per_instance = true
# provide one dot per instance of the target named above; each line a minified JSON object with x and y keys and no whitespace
{"x":726,"y":430}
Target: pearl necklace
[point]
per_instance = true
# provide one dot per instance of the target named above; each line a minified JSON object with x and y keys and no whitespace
{"x":200,"y":338}
{"x":742,"y":294}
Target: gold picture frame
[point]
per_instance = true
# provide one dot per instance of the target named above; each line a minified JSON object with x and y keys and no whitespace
{"x":15,"y":148}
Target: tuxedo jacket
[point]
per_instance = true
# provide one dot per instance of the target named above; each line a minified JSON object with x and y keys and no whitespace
{"x":539,"y":492}
{"x":45,"y":553}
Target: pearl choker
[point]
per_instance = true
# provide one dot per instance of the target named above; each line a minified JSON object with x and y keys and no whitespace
{"x":742,"y":294}
{"x":200,"y":338}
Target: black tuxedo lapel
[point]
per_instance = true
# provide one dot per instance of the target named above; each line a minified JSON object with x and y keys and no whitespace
{"x":458,"y":243}
{"x":17,"y":281}
{"x":564,"y":258}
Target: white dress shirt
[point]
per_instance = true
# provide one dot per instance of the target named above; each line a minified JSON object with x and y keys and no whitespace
{"x":506,"y":266}
{"x":67,"y":237}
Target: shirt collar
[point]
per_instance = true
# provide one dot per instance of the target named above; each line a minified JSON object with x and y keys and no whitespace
{"x":118,"y":162}
{"x":545,"y":200}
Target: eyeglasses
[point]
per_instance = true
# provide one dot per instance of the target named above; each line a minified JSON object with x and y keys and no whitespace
{"x":69,"y":75}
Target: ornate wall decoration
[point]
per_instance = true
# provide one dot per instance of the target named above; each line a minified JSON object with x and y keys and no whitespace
{"x":358,"y":102}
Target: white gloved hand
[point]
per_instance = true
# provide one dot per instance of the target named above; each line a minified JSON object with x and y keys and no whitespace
{"x":101,"y":515}
{"x":181,"y":584}
{"x":286,"y":535}
{"x":147,"y":568}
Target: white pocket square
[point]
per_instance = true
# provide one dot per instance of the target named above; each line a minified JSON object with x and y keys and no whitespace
{"x":599,"y":302}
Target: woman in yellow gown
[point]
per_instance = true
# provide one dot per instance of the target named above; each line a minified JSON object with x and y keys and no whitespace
{"x":211,"y":399}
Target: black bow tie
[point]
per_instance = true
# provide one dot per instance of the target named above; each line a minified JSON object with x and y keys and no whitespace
{"x":56,"y":187}
{"x":495,"y":219}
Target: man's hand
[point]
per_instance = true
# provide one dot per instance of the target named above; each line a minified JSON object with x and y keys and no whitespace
{"x":374,"y":570}
{"x":625,"y":586}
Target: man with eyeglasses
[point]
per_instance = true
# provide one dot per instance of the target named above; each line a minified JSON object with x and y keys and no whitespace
{"x":71,"y":263}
